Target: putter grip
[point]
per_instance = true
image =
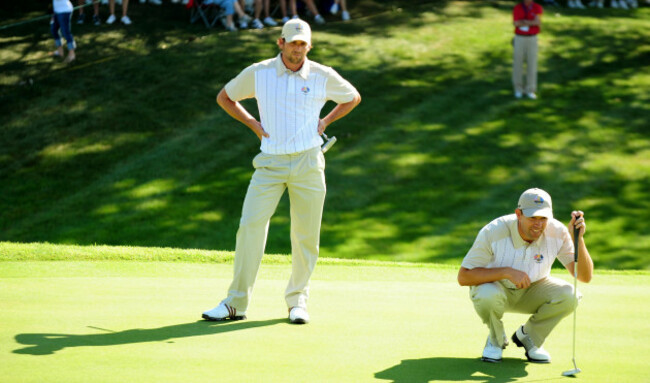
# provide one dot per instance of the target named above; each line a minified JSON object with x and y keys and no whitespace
{"x":576,"y":233}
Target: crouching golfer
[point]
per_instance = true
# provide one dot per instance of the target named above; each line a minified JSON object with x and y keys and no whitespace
{"x":508,"y":269}
{"x":290,"y":91}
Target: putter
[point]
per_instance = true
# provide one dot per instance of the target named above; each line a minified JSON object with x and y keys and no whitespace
{"x":575,"y":370}
{"x":329,"y":142}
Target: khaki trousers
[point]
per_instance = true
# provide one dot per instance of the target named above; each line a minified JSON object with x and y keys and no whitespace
{"x":525,"y":49}
{"x":549,"y":300}
{"x":304,"y":175}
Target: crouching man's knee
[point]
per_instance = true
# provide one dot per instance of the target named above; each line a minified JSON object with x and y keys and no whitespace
{"x":565,"y":300}
{"x":488,"y":297}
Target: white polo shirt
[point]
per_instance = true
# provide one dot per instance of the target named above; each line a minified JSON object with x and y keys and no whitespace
{"x":499,"y":244}
{"x":290,"y":102}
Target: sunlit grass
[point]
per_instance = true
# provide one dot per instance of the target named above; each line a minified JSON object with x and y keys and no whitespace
{"x":128,"y":147}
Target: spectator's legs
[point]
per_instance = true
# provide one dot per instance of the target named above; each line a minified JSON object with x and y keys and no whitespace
{"x":125,"y":7}
{"x":292,"y":8}
{"x":81,"y":10}
{"x":258,"y":9}
{"x":267,"y":8}
{"x":283,"y":8}
{"x":62,"y":23}
{"x":345,"y":15}
{"x":531,"y":65}
{"x":518,"y":63}
{"x":312,"y":7}
{"x":54,"y":29}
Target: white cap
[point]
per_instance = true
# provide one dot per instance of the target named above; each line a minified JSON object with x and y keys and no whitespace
{"x":536,"y":203}
{"x":296,"y":29}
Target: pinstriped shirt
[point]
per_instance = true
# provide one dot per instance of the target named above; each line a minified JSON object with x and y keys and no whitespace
{"x":499,"y":244}
{"x":290,"y":102}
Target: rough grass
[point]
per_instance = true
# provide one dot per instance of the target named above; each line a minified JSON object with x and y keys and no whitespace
{"x":127,"y":146}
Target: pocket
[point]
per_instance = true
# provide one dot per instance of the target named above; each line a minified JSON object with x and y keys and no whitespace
{"x":316,"y":160}
{"x":261,"y":161}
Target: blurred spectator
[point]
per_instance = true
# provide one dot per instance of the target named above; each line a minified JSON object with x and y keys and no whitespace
{"x":60,"y":25}
{"x":576,"y":4}
{"x":82,"y":16}
{"x":111,"y":7}
{"x":623,"y":4}
{"x":231,"y":7}
{"x":264,"y":5}
{"x":154,"y":2}
{"x":310,"y":6}
{"x":526,"y":19}
{"x":334,"y":9}
{"x":283,"y":10}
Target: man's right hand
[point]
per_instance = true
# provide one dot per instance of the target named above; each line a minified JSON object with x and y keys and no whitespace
{"x":519,"y":278}
{"x":258,"y":129}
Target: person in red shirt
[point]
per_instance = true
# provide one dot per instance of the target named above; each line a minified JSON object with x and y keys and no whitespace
{"x":527,"y":21}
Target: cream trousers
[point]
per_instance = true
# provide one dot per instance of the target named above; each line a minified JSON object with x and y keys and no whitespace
{"x":304,"y":175}
{"x":525,"y":49}
{"x":549,"y":300}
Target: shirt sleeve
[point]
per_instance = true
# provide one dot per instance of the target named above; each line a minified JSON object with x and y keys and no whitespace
{"x":339,"y":89}
{"x":567,"y":250}
{"x":480,"y":255}
{"x":242,"y":86}
{"x":538,"y":9}
{"x":518,"y":12}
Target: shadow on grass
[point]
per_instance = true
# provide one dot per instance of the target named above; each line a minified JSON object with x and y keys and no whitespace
{"x":47,"y":344}
{"x":454,"y":369}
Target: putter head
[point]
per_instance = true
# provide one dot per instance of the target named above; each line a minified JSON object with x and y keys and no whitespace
{"x":329,"y":142}
{"x":571,"y":372}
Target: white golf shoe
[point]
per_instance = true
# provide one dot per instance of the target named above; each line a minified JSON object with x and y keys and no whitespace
{"x":533,"y":353}
{"x":223,"y":312}
{"x":298,"y":315}
{"x":492,"y":353}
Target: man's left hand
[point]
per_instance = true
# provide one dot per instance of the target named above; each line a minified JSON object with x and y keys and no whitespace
{"x":321,"y":126}
{"x":578,"y":222}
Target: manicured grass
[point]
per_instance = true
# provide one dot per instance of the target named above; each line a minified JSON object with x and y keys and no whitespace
{"x":117,"y":321}
{"x":127,"y":147}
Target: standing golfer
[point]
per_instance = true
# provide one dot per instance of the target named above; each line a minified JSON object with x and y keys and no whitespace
{"x":508,"y":269}
{"x":290,"y":91}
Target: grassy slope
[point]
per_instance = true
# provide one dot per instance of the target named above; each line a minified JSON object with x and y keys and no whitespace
{"x":128,"y":147}
{"x":134,"y":321}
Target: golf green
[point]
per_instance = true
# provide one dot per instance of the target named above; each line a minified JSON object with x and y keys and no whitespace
{"x":112,"y":321}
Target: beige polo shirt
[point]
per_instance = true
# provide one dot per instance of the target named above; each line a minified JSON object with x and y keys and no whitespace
{"x":499,"y":244}
{"x":290,"y":102}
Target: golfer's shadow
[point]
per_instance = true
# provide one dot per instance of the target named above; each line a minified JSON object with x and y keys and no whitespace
{"x":454,"y":369}
{"x":46,"y":344}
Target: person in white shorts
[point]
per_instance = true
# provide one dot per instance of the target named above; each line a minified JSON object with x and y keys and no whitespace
{"x":508,"y":270}
{"x":290,"y":91}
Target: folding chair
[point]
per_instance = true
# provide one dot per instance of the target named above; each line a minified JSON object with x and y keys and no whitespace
{"x":197,"y":11}
{"x":209,"y":13}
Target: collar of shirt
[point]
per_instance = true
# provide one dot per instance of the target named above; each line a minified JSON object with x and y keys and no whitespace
{"x":517,"y":241}
{"x":280,"y":68}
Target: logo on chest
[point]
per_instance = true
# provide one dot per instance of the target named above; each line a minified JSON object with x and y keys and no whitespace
{"x":539,"y":258}
{"x":305,"y":90}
